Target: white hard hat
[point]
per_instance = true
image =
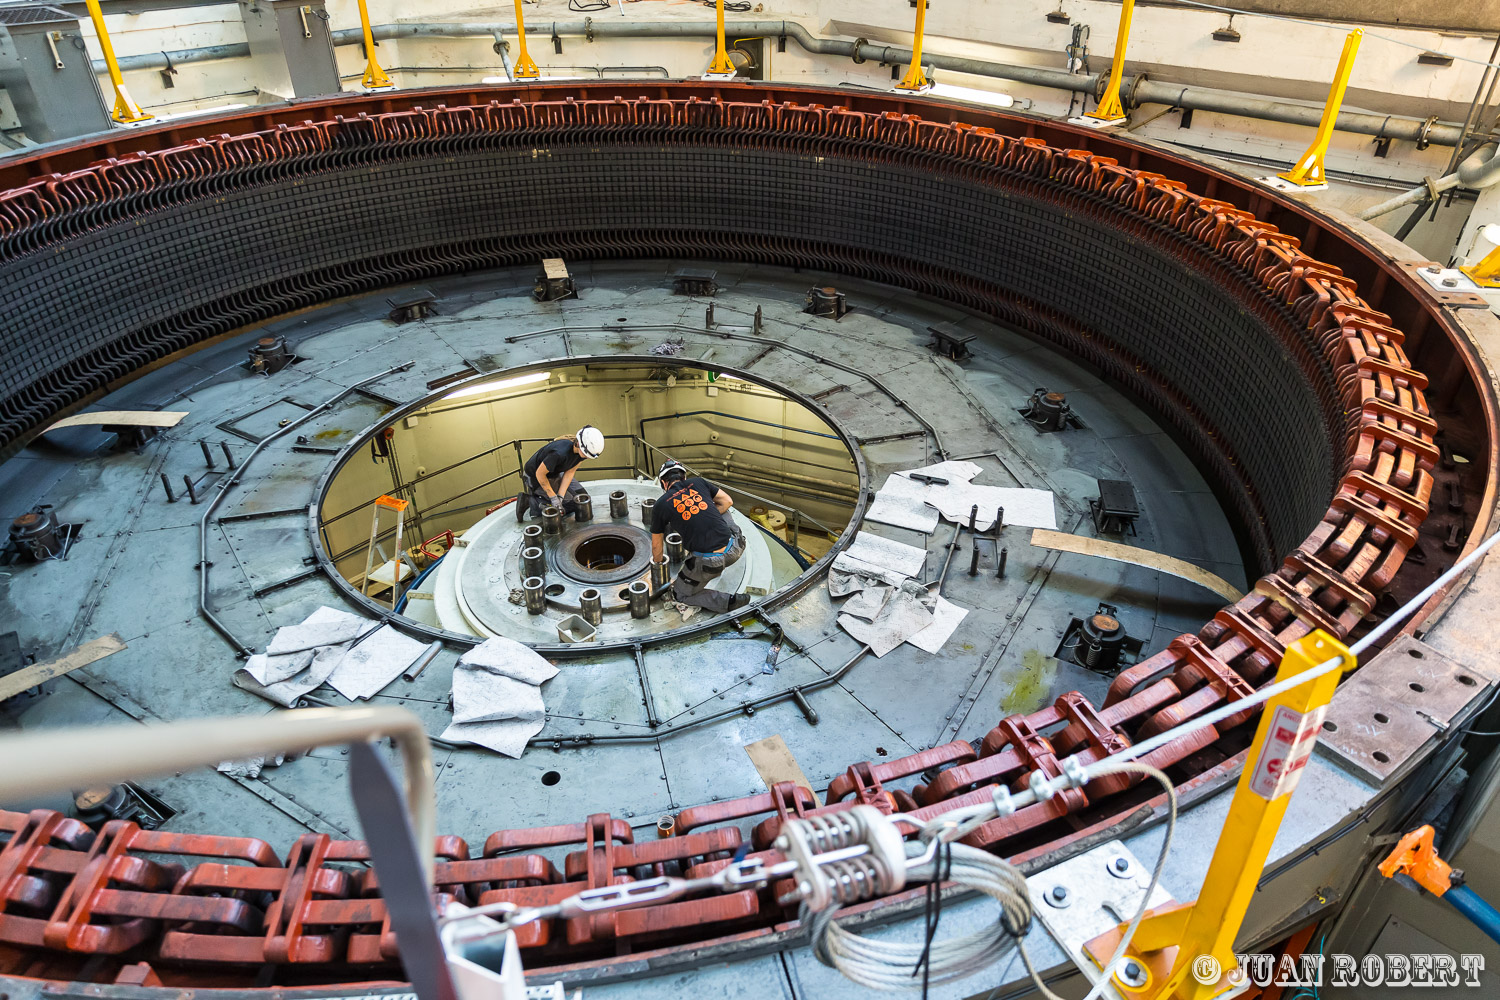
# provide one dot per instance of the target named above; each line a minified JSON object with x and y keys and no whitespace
{"x":591,"y":441}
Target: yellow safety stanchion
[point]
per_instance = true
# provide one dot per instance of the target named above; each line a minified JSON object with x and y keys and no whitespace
{"x":525,"y":68}
{"x":1110,"y":109}
{"x":374,"y":78}
{"x":721,"y":64}
{"x":126,"y":111}
{"x":1486,"y":273}
{"x":915,"y":79}
{"x":1184,"y":944}
{"x":1309,"y":169}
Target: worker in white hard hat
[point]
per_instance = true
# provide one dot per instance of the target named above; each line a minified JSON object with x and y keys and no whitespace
{"x":697,"y":510}
{"x":547,"y":477}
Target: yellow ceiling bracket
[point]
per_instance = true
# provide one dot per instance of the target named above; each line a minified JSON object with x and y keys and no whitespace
{"x":525,"y":68}
{"x":1110,"y":109}
{"x":1308,"y":171}
{"x":374,"y":78}
{"x":721,"y":64}
{"x":1189,"y":947}
{"x":126,"y":111}
{"x":915,"y":80}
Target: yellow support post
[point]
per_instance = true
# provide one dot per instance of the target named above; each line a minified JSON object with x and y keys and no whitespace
{"x":374,"y":78}
{"x":721,"y":64}
{"x":525,"y":68}
{"x":126,"y":111}
{"x":1188,"y":948}
{"x":1110,"y":109}
{"x":1486,"y":273}
{"x":915,"y":79}
{"x":1308,"y":171}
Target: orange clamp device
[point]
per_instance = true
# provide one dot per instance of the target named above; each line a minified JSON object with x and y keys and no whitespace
{"x":1415,"y":856}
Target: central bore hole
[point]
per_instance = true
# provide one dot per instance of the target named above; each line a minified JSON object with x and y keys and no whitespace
{"x":605,"y":552}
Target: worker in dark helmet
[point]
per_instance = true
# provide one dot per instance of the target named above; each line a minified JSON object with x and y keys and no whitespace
{"x":698,"y":511}
{"x":547,"y":477}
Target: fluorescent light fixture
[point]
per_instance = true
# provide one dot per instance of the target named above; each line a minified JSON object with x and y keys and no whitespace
{"x":167,"y":115}
{"x":539,"y":79}
{"x":990,"y":97}
{"x":505,"y":383}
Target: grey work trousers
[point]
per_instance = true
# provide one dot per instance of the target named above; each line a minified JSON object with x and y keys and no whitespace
{"x":691,"y":585}
{"x":538,"y":496}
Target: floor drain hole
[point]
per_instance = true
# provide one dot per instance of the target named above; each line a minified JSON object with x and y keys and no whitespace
{"x":550,"y":778}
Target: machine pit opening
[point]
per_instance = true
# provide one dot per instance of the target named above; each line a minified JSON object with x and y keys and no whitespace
{"x":472,"y":543}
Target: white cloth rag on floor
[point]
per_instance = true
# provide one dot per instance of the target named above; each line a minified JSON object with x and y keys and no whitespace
{"x":903,"y":616}
{"x":288,"y":691}
{"x":510,"y":658}
{"x":497,"y":697}
{"x":868,"y":603}
{"x":367,"y":668}
{"x":269,"y":677}
{"x":895,"y":502}
{"x":880,"y":559}
{"x":268,"y":669}
{"x":946,"y":617}
{"x":311,"y":634}
{"x":251,"y":766}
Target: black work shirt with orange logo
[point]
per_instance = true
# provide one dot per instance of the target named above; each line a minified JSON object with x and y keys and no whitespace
{"x":688,"y":509}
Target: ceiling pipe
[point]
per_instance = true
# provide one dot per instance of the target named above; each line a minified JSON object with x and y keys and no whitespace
{"x":1138,"y":91}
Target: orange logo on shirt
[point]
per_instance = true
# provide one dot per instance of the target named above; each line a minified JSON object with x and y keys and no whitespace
{"x":688,"y":503}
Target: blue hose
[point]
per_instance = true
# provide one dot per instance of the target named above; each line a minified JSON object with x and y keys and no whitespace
{"x":1472,"y":905}
{"x":401,"y":604}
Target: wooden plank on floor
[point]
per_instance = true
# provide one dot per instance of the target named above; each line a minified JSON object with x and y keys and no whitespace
{"x":29,"y":677}
{"x":774,"y":762}
{"x":1102,"y":549}
{"x":121,"y":418}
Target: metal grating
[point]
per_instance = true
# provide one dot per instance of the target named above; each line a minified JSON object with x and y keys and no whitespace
{"x":33,"y":14}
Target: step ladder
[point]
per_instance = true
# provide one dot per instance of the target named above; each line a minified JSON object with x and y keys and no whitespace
{"x":399,"y":506}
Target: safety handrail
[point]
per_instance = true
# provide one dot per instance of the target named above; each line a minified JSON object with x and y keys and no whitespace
{"x":437,"y":504}
{"x":754,"y":496}
{"x":47,"y":760}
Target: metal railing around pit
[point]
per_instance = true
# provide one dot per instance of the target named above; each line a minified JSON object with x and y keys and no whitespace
{"x":646,"y":457}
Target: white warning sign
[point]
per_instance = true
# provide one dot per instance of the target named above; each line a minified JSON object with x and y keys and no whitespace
{"x":1288,"y":746}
